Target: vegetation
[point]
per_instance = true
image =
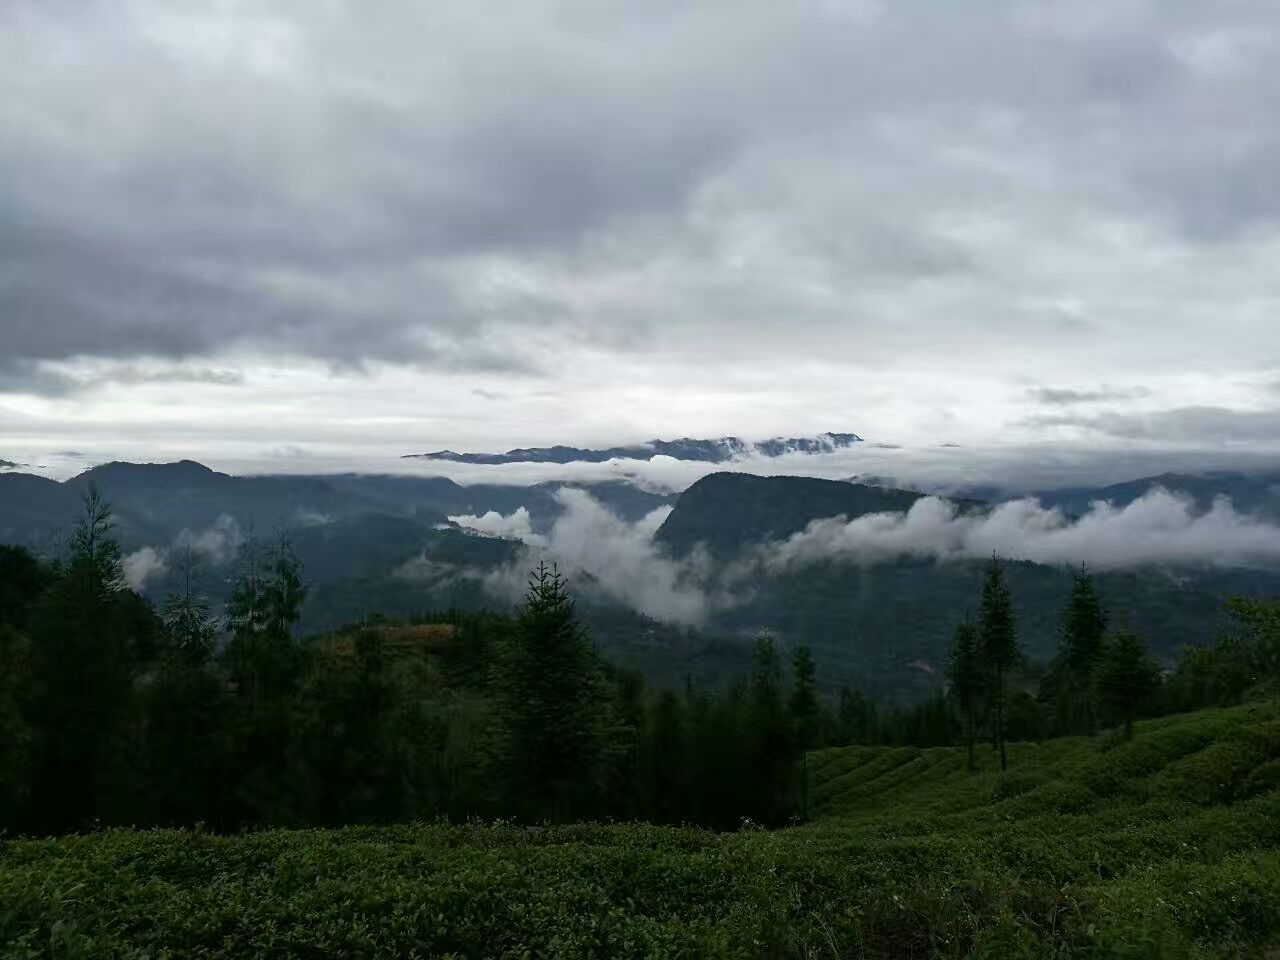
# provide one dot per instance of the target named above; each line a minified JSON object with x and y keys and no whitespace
{"x":113,"y":714}
{"x":491,"y":735}
{"x":1166,"y":846}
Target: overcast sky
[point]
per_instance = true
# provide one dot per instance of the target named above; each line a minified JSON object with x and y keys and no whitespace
{"x":290,"y":231}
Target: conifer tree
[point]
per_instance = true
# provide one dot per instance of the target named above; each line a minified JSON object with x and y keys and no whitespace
{"x":667,"y":761}
{"x":771,"y":742}
{"x":1084,"y":627}
{"x":965,"y":673}
{"x":186,"y":710}
{"x":552,"y":705}
{"x":15,"y":730}
{"x":1000,"y":649}
{"x":1126,"y":677}
{"x":265,"y":666}
{"x":805,"y":716}
{"x":855,"y":717}
{"x":85,"y":636}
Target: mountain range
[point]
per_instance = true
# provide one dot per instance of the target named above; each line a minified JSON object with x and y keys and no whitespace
{"x":387,"y":544}
{"x":721,"y":450}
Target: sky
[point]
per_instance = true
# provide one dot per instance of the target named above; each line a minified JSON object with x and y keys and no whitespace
{"x":294,"y":234}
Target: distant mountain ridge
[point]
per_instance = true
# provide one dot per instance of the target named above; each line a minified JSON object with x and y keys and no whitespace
{"x":719,"y":450}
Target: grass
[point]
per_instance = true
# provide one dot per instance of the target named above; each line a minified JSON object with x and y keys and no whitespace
{"x":1164,"y":847}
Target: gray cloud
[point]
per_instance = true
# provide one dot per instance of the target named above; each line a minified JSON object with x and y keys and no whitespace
{"x":1061,"y":397}
{"x":1203,"y":425}
{"x":900,"y":210}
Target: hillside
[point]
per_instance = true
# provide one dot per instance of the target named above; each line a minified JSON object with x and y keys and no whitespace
{"x":1164,"y":847}
{"x":727,"y":511}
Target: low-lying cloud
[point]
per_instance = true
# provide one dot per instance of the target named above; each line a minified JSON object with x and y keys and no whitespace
{"x":603,"y":554}
{"x":216,"y":545}
{"x":142,"y":565}
{"x":1157,"y":528}
{"x":621,"y":562}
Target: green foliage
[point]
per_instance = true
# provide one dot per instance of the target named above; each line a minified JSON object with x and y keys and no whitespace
{"x":1068,"y":686}
{"x":1126,"y":677}
{"x":1083,"y":851}
{"x":15,"y":731}
{"x":1084,"y":626}
{"x":1000,"y":649}
{"x":22,"y":579}
{"x":553,"y":708}
{"x":87,"y":636}
{"x":264,"y":665}
{"x":966,"y":676}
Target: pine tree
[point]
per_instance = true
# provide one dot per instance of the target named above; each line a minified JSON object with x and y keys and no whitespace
{"x":855,"y":717}
{"x":265,"y":665}
{"x":1126,"y":677}
{"x":1000,"y":649}
{"x":1084,"y":627}
{"x":86,"y":635}
{"x":965,"y":673}
{"x":772,"y":748}
{"x":667,"y":761}
{"x":186,"y":710}
{"x":15,"y":730}
{"x":805,"y":716}
{"x":553,"y":708}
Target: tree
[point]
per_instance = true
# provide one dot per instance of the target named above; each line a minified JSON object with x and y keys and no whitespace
{"x":666,"y":761}
{"x":265,"y":666}
{"x":1000,"y":649}
{"x":965,"y":673}
{"x":1258,"y":637}
{"x":855,"y":717}
{"x":552,"y":706}
{"x":186,"y":711}
{"x":87,"y":633}
{"x":769,"y":736}
{"x":15,"y":731}
{"x":188,"y":624}
{"x":22,"y":579}
{"x":805,"y":716}
{"x":1084,"y":627}
{"x":1126,"y":677}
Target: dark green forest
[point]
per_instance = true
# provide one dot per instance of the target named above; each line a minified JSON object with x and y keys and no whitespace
{"x":117,"y":712}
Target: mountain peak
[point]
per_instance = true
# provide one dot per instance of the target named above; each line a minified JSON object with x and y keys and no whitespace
{"x":720,"y":450}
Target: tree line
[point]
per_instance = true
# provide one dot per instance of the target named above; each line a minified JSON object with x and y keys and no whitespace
{"x":115,"y":712}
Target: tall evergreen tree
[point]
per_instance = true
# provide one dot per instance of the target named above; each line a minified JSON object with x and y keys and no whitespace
{"x":805,"y":715}
{"x":855,"y":717}
{"x":15,"y":730}
{"x":186,"y":711}
{"x":265,"y":664}
{"x":770,"y":737}
{"x":86,"y":635}
{"x":1126,"y":677}
{"x":965,"y":673}
{"x":667,"y":761}
{"x":1000,"y":649}
{"x":552,"y":705}
{"x":1084,"y":627}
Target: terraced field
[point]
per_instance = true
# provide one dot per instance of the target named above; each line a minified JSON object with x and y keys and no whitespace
{"x":1164,"y":847}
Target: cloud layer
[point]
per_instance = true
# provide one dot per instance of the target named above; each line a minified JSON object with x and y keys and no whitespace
{"x":239,"y":226}
{"x":619,"y":561}
{"x":1159,"y":528}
